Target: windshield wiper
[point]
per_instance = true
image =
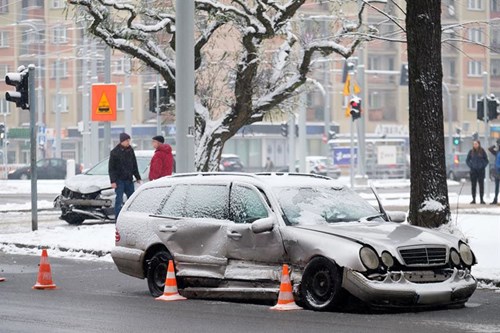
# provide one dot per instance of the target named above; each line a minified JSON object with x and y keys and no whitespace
{"x":370,"y":217}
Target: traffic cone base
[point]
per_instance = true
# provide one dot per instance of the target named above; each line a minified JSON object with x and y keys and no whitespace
{"x":2,"y":279}
{"x":170,"y":292}
{"x":44,"y":279}
{"x":286,"y":301}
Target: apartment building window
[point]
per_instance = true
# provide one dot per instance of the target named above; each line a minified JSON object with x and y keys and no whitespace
{"x":475,"y":35}
{"x":374,"y":100}
{"x":120,"y":101}
{"x":61,"y":70}
{"x":474,"y":68}
{"x":4,"y":106}
{"x":119,"y":66}
{"x":58,"y":4}
{"x":495,"y":68}
{"x":475,"y":4}
{"x":472,"y":101}
{"x":59,"y":35}
{"x":32,"y":3}
{"x":374,"y":62}
{"x":4,"y":69}
{"x":63,"y":101}
{"x":495,"y":6}
{"x":4,"y":39}
{"x":4,"y":6}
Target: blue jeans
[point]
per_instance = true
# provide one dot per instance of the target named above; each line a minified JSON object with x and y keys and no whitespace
{"x":122,"y":186}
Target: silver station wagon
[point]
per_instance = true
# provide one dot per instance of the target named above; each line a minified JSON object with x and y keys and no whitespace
{"x":230,"y":234}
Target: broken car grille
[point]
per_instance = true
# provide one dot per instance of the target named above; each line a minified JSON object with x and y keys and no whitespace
{"x":430,"y":256}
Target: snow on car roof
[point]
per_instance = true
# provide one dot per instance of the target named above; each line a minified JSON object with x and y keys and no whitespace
{"x":144,"y":153}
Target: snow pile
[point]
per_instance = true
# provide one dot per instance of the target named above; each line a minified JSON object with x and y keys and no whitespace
{"x":42,"y":204}
{"x":431,"y":206}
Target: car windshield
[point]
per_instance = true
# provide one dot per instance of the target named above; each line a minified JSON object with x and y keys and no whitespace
{"x":101,"y":169}
{"x":321,"y":205}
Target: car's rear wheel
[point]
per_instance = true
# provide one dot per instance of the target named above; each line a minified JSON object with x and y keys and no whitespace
{"x":321,"y":285}
{"x":74,"y":219}
{"x":157,"y":272}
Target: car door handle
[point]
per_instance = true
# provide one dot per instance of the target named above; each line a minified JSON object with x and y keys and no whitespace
{"x":234,"y":234}
{"x":168,"y":228}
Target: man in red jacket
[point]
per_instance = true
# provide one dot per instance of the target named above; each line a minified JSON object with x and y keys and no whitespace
{"x":162,"y":162}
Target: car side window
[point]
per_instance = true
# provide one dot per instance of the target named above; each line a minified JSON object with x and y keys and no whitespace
{"x":207,"y":201}
{"x":246,"y":206}
{"x":174,"y":205}
{"x":149,"y":200}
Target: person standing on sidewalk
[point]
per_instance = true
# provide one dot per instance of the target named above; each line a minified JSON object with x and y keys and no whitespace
{"x":122,"y":168}
{"x":162,"y":163}
{"x":477,"y":161}
{"x":495,"y":150}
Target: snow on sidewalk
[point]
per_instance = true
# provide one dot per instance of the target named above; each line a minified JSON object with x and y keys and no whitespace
{"x":44,"y":186}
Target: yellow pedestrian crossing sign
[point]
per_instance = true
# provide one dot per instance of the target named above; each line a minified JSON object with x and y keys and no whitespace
{"x":104,"y":102}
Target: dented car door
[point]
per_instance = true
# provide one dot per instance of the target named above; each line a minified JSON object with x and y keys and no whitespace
{"x":192,"y":224}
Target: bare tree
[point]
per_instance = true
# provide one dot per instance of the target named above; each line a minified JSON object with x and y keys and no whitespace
{"x":429,"y":206}
{"x":248,"y":57}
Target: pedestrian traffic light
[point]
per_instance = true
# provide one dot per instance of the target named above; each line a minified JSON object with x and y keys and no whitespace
{"x":456,"y":140}
{"x":355,"y":108}
{"x":492,"y":107}
{"x":164,"y":99}
{"x":20,"y":81}
{"x":284,"y":129}
{"x":404,"y":75}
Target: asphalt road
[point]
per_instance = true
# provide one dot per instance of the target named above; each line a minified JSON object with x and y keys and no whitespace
{"x":95,"y":297}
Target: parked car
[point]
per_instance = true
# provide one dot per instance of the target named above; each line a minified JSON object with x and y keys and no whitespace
{"x":89,"y":195}
{"x":47,"y":168}
{"x":231,"y":162}
{"x":458,"y":169}
{"x":229,"y":235}
{"x":319,"y":165}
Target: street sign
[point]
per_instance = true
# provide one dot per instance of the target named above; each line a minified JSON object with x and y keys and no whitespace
{"x":342,"y":155}
{"x":387,"y":155}
{"x":104,"y":102}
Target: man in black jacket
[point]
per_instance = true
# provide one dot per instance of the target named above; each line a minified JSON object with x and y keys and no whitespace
{"x":122,"y":168}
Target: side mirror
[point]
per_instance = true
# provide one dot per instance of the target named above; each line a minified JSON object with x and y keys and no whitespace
{"x":263,"y":225}
{"x":397,"y":216}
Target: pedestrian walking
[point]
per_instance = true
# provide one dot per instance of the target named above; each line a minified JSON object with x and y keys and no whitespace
{"x":477,"y":161}
{"x":122,"y":168}
{"x":269,"y":165}
{"x":162,"y":163}
{"x":495,"y":150}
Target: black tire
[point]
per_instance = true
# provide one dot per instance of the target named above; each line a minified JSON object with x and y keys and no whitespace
{"x":74,"y":219}
{"x":320,"y":289}
{"x":157,"y":272}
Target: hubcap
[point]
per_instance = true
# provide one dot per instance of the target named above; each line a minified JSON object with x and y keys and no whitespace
{"x":160,"y":275}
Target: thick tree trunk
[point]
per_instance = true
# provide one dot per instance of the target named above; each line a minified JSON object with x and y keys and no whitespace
{"x":429,"y":205}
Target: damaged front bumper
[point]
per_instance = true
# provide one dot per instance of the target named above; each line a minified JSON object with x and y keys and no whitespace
{"x":396,"y":290}
{"x":91,"y":208}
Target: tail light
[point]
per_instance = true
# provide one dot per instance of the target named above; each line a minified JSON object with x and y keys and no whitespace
{"x":117,"y":236}
{"x":455,"y":159}
{"x":81,"y":167}
{"x":226,"y":163}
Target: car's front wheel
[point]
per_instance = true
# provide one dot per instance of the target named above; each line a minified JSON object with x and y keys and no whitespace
{"x":157,"y":272}
{"x":74,"y":219}
{"x":321,"y":284}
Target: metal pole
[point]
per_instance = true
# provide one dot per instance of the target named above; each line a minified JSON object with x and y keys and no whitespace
{"x":40,"y":105}
{"x":352,"y":152}
{"x":184,"y":86}
{"x":450,"y":123}
{"x":362,"y":121}
{"x":107,"y":79}
{"x":128,"y":106}
{"x":486,"y":133}
{"x":5,"y":144}
{"x":33,"y":146}
{"x":95,"y":125}
{"x":158,"y":119}
{"x":86,"y":105}
{"x":302,"y":132}
{"x":326,"y":80}
{"x":58,"y":108}
{"x":291,"y":142}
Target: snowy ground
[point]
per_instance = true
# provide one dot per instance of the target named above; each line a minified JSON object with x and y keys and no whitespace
{"x":480,"y":224}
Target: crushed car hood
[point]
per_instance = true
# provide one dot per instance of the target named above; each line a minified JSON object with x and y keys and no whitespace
{"x":384,"y":235}
{"x":88,"y":183}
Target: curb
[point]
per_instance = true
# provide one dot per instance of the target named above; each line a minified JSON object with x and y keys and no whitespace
{"x":97,"y":253}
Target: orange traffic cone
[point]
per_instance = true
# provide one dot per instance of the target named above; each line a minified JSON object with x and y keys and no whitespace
{"x":170,"y":293}
{"x":285,"y":297}
{"x":44,"y":280}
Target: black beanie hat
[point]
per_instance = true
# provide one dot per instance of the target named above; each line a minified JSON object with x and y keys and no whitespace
{"x":123,"y":137}
{"x":159,"y":138}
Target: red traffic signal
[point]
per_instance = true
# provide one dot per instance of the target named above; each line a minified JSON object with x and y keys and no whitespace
{"x":355,"y":108}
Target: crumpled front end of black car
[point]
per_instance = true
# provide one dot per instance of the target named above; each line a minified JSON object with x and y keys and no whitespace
{"x":77,"y":207}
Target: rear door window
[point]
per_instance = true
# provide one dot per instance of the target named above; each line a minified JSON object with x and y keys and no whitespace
{"x":149,"y":200}
{"x":207,"y":201}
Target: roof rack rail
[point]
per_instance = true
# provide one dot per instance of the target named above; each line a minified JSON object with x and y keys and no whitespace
{"x":314,"y":175}
{"x":213,"y":173}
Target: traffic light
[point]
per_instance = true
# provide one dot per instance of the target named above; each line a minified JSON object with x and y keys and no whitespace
{"x":284,"y":129}
{"x":348,"y":68}
{"x":164,"y":99}
{"x":404,"y":75}
{"x":492,"y":107}
{"x":2,"y":133}
{"x":355,"y":108}
{"x":456,"y":140}
{"x":332,"y":135}
{"x":20,"y":81}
